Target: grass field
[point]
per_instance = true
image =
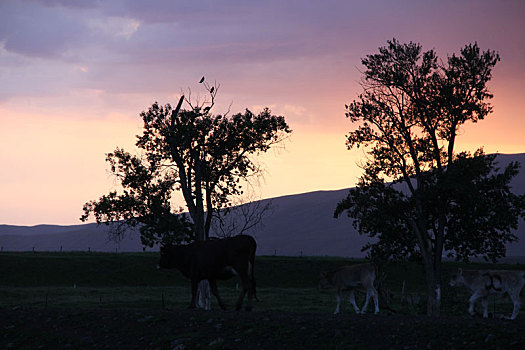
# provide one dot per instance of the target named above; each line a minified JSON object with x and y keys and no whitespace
{"x":131,"y":280}
{"x":63,"y":300}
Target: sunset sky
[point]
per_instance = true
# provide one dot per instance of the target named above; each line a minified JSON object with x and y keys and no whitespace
{"x":75,"y":76}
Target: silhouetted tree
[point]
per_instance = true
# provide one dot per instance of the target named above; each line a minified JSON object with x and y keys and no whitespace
{"x":408,"y":118}
{"x":204,"y":156}
{"x":145,"y":201}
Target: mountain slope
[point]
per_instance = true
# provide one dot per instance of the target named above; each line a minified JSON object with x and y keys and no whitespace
{"x":301,"y":224}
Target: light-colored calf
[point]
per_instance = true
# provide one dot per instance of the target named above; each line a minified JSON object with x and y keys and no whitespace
{"x":482,"y":283}
{"x":351,"y":277}
{"x":203,"y":295}
{"x":203,"y":291}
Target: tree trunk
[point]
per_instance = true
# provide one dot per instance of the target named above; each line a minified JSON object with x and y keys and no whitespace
{"x":198,"y":222}
{"x":209,"y":210}
{"x":200,"y":227}
{"x":433,"y":290}
{"x":203,"y":291}
{"x":432,"y":268}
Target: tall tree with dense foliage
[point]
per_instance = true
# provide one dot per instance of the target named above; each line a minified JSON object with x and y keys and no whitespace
{"x":204,"y":156}
{"x":417,"y":196}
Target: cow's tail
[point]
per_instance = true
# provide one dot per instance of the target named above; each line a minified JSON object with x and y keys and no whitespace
{"x":252,"y":280}
{"x":251,"y":272}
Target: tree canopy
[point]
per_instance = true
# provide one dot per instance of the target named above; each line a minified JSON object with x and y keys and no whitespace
{"x":418,"y":196}
{"x":202,"y":155}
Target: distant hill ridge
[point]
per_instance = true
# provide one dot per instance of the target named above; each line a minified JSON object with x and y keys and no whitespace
{"x":300,"y":224}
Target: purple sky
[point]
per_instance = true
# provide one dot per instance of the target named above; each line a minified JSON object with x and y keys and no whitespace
{"x":76,"y":75}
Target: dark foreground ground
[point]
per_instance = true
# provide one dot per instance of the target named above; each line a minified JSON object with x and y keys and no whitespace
{"x":58,"y":328}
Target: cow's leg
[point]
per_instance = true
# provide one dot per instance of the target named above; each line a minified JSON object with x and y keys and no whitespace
{"x":251,"y":287}
{"x":517,"y":304}
{"x":252,"y":279}
{"x":367,"y":300}
{"x":238,"y":305}
{"x":215,"y":291}
{"x":472,"y":300}
{"x":352,"y":301}
{"x":371,"y":292}
{"x":245,"y":273}
{"x":485,"y":304}
{"x":194,"y":287}
{"x":338,"y":301}
{"x":251,"y":293}
{"x":375,"y":296}
{"x":244,"y":286}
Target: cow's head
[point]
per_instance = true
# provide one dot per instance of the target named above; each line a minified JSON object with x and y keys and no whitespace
{"x":167,"y":257}
{"x":457,"y":278}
